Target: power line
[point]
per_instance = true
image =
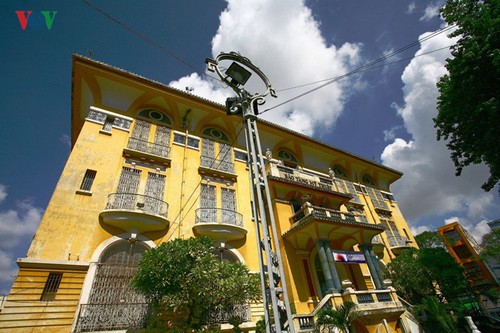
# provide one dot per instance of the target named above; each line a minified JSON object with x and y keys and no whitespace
{"x":364,"y":67}
{"x":197,"y":186}
{"x":149,"y":40}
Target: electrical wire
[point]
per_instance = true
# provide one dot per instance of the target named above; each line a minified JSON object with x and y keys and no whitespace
{"x":195,"y":190}
{"x":364,"y":67}
{"x":150,"y":41}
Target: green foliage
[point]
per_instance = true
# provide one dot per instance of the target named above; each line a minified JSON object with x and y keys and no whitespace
{"x":491,"y":245}
{"x":340,"y":318}
{"x":186,"y":282}
{"x":429,"y":239}
{"x":468,"y":105}
{"x":417,"y":274}
{"x":434,"y":316}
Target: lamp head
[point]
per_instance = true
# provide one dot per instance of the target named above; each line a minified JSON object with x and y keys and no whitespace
{"x":238,"y":74}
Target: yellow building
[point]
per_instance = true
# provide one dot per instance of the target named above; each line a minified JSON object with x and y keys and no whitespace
{"x":150,"y":163}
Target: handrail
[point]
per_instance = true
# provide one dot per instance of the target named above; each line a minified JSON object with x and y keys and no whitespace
{"x":137,"y":202}
{"x":219,"y":215}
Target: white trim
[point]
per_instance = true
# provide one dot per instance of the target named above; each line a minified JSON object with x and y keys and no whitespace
{"x":112,"y":114}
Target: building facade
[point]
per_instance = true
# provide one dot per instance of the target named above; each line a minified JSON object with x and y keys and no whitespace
{"x":479,"y":273}
{"x":150,"y":163}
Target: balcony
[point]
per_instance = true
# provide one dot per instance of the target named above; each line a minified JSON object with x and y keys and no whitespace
{"x":308,"y":181}
{"x":223,"y":225}
{"x":111,"y":317}
{"x":210,"y":166}
{"x":398,"y":243}
{"x":135,"y":212}
{"x":313,"y":223}
{"x":371,"y":305}
{"x":148,"y":151}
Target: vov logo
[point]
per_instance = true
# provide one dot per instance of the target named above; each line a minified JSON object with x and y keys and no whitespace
{"x":36,"y":20}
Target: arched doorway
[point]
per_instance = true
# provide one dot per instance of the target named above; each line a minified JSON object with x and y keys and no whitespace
{"x":112,"y":303}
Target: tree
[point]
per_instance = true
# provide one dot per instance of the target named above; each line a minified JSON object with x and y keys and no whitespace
{"x":417,"y":274}
{"x":468,"y":105}
{"x":187,"y":284}
{"x":429,"y":239}
{"x":341,"y":318}
{"x":491,"y":245}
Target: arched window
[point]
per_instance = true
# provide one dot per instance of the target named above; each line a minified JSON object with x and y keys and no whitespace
{"x":368,"y":180}
{"x":340,"y":172}
{"x":216,"y":152}
{"x":112,"y":303}
{"x":288,"y":158}
{"x":155,"y":116}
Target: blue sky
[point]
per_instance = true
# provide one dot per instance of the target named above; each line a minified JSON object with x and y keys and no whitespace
{"x":384,"y":114}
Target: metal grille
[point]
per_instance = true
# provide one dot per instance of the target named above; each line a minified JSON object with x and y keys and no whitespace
{"x":108,"y":124}
{"x":352,"y":191}
{"x":128,"y":183}
{"x":228,"y":205}
{"x":141,"y":132}
{"x":51,"y":287}
{"x":88,"y":180}
{"x":97,"y":116}
{"x":155,"y":186}
{"x":208,"y":200}
{"x":162,"y":139}
{"x":113,"y":304}
{"x":208,"y":153}
{"x":226,"y":159}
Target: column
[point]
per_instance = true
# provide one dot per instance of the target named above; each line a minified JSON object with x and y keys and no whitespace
{"x":376,"y":264}
{"x":371,"y":266}
{"x":324,"y":264}
{"x":333,"y":268}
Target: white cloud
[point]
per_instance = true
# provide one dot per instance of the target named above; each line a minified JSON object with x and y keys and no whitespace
{"x":431,"y":11}
{"x":420,"y":229}
{"x":411,"y":8}
{"x":429,"y":187}
{"x":283,"y":39}
{"x":15,"y":226}
{"x":3,"y":192}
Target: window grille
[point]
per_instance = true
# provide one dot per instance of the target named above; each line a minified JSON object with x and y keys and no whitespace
{"x":155,"y":186}
{"x":51,"y":287}
{"x":88,"y":180}
{"x":228,"y":205}
{"x":180,"y":138}
{"x":208,"y":200}
{"x":127,"y":188}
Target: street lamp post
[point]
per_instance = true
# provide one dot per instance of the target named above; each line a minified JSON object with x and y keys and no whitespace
{"x":277,"y":311}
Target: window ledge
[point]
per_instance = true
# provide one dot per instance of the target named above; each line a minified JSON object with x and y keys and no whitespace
{"x":84,"y":192}
{"x":105,"y":132}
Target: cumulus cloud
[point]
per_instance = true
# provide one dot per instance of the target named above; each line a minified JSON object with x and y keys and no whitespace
{"x":431,"y":11}
{"x":411,"y":8}
{"x":429,"y":187}
{"x":15,"y":226}
{"x":283,"y":39}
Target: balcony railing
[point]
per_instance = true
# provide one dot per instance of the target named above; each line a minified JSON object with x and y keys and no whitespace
{"x":324,"y":213}
{"x":223,"y":316}
{"x":148,"y":147}
{"x":397,"y":241}
{"x":305,"y":178}
{"x":110,"y":317}
{"x":368,"y":303}
{"x":215,"y":164}
{"x":138,"y":203}
{"x":219,"y":215}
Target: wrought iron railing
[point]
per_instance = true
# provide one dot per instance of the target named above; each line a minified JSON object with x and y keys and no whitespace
{"x":108,"y":317}
{"x":137,"y":202}
{"x":242,"y":311}
{"x":323,"y":213}
{"x":148,"y":147}
{"x":215,"y":164}
{"x":397,"y":241}
{"x":219,"y":215}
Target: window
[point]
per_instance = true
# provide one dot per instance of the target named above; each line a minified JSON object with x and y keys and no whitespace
{"x":192,"y":142}
{"x":88,"y":180}
{"x":108,"y":120}
{"x":51,"y":287}
{"x":452,"y":236}
{"x":240,"y":155}
{"x":462,"y":252}
{"x":288,"y":159}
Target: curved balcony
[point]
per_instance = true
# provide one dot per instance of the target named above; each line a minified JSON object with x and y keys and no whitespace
{"x":223,"y":225}
{"x":398,"y":244}
{"x":148,"y":151}
{"x":135,"y":212}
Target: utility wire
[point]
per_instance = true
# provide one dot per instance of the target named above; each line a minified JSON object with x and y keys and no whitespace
{"x":364,"y":67}
{"x":150,"y":41}
{"x":198,"y":185}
